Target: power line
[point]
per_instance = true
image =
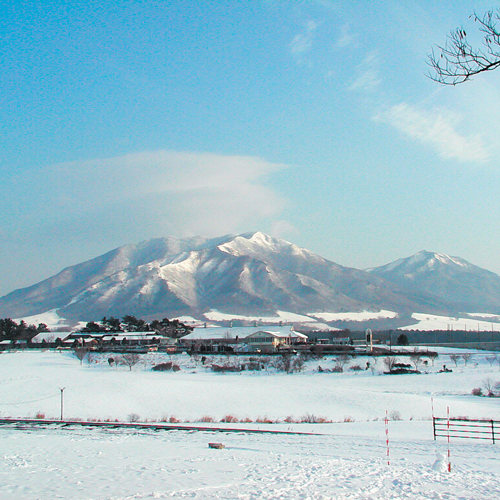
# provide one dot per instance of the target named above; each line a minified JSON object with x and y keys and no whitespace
{"x":26,"y":402}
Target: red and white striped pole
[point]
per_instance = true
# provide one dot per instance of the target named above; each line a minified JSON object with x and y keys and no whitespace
{"x":448,"y":426}
{"x":387,"y":436}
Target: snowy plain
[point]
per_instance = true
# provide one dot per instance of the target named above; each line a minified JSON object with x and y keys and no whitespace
{"x":344,"y":459}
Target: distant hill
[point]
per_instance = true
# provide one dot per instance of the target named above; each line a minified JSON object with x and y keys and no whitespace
{"x":464,"y":286}
{"x":251,"y":274}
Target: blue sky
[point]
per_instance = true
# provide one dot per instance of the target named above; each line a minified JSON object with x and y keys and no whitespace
{"x":309,"y":120}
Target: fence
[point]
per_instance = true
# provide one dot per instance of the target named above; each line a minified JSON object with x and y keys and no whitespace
{"x":466,"y":428}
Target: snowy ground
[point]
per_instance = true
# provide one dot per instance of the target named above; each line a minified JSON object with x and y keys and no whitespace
{"x":341,"y":460}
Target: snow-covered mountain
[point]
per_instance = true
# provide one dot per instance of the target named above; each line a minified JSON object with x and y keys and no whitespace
{"x":466,"y":287}
{"x":248,"y":274}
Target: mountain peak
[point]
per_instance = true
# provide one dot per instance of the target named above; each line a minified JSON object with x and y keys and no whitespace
{"x":250,"y":274}
{"x":465,"y":286}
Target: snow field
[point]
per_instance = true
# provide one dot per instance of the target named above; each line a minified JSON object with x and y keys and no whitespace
{"x":98,"y":464}
{"x":30,"y":383}
{"x":341,"y":460}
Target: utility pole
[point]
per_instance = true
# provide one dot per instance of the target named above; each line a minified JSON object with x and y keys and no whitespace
{"x":62,"y":401}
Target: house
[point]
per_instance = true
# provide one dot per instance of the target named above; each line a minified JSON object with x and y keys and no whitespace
{"x":269,"y":341}
{"x":244,"y":338}
{"x":96,"y":339}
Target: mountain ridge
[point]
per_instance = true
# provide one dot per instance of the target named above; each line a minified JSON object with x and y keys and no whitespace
{"x":249,"y":274}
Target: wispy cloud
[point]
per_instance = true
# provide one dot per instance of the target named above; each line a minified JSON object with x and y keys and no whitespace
{"x":437,"y":130}
{"x":303,"y":41}
{"x":158,"y":192}
{"x":367,"y":77}
{"x":345,"y":39}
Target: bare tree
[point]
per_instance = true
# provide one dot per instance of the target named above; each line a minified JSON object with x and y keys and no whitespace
{"x":455,"y":358}
{"x":389,"y":362}
{"x":489,"y":386}
{"x":432,"y":355}
{"x":80,"y":353}
{"x":130,"y":359}
{"x":467,"y":357}
{"x":491,"y":359}
{"x":340,"y":362}
{"x":458,"y":60}
{"x":416,"y":358}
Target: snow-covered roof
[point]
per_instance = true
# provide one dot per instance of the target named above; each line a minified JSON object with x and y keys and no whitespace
{"x":110,"y":335}
{"x":279,"y":335}
{"x":219,"y":333}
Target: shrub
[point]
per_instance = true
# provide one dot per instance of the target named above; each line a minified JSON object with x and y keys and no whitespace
{"x":297,"y":364}
{"x":40,"y":415}
{"x":349,"y":419}
{"x":133,"y":417}
{"x":356,"y":368}
{"x":340,"y":362}
{"x":207,"y":418}
{"x":163,"y":367}
{"x":289,"y":363}
{"x":395,"y":415}
{"x":309,"y":418}
{"x":477,"y":391}
{"x":265,"y":420}
{"x":230,"y":419}
{"x":227,"y":367}
{"x":173,"y":420}
{"x":253,"y":366}
{"x":488,"y":385}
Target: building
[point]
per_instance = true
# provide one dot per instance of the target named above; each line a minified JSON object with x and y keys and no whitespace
{"x":269,"y":341}
{"x":245,"y":338}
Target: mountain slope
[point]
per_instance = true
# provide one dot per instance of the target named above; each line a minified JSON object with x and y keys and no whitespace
{"x":249,"y":274}
{"x":464,"y":286}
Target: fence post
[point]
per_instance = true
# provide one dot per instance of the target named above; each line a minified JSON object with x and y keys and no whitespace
{"x":434,"y":427}
{"x":387,"y":436}
{"x":448,"y":426}
{"x":493,"y":431}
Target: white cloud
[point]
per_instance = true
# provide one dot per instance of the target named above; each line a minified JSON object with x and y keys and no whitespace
{"x":162,"y":191}
{"x":367,"y":77}
{"x":303,"y":42}
{"x":436,"y":129}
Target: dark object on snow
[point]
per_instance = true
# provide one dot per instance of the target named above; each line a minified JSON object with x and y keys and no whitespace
{"x":445,"y":370}
{"x":164,"y":367}
{"x":400,"y":371}
{"x":218,"y":446}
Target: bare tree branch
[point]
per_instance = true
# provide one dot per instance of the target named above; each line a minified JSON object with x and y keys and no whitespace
{"x":457,"y":61}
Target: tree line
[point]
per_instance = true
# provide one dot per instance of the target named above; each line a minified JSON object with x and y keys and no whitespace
{"x":10,"y":330}
{"x":164,"y":327}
